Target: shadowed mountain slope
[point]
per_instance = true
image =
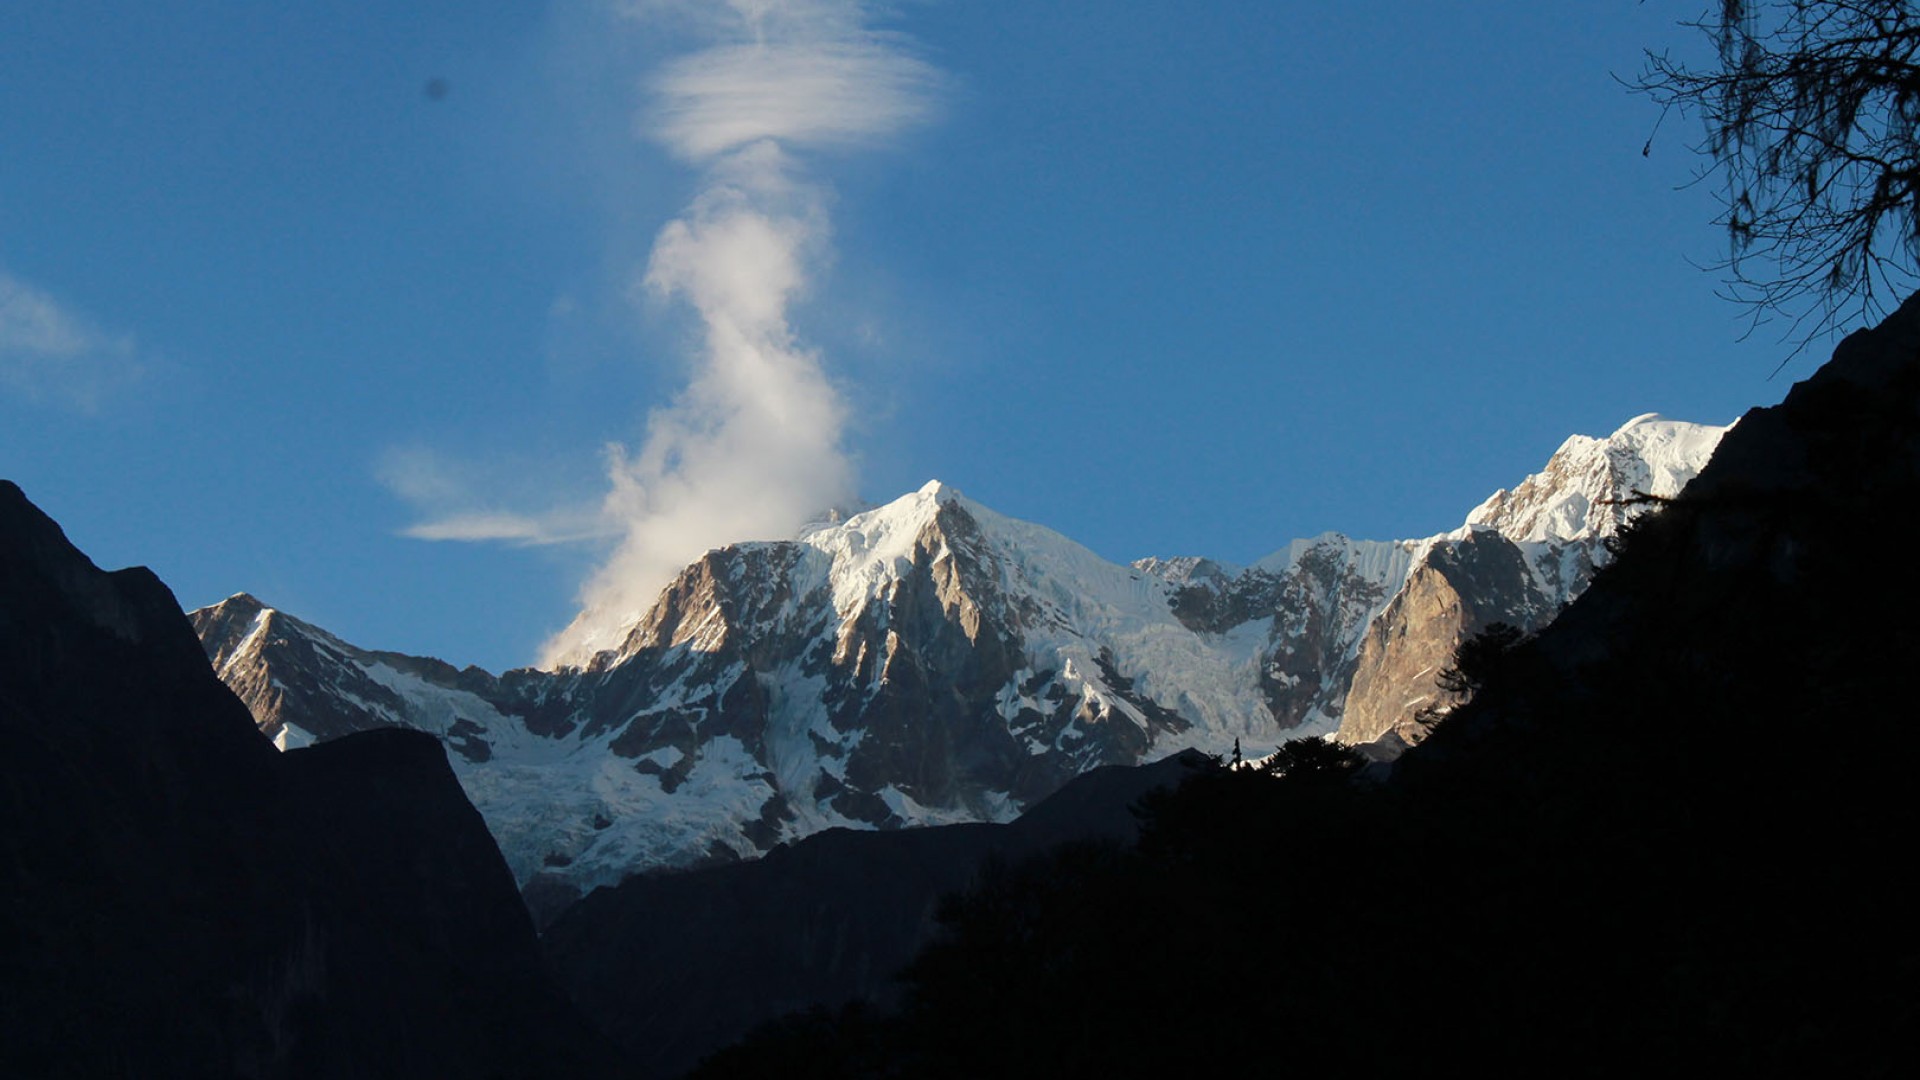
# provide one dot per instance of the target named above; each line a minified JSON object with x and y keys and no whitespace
{"x":182,"y":900}
{"x":678,"y":965}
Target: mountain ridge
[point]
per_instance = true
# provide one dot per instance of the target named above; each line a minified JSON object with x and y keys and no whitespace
{"x":1666,"y":829}
{"x":930,"y":660}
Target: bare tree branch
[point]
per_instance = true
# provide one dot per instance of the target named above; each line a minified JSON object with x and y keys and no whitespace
{"x":1811,"y":119}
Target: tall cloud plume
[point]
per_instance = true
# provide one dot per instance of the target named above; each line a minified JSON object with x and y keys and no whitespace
{"x":753,"y":445}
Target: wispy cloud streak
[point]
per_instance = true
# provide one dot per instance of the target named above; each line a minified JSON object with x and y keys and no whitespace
{"x":506,"y":527}
{"x":451,"y":497}
{"x":832,"y":93}
{"x":51,"y":353}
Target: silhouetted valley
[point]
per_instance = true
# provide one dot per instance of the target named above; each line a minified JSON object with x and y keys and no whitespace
{"x":1662,"y":832}
{"x":1665,"y":832}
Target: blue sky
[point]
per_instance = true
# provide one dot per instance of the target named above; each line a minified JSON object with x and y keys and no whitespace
{"x":1169,"y":281}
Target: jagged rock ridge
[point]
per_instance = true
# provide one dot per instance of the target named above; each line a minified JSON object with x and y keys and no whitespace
{"x":931,"y":661}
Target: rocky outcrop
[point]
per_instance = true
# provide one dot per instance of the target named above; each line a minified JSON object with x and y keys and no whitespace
{"x":1314,"y":599}
{"x":1457,"y":590}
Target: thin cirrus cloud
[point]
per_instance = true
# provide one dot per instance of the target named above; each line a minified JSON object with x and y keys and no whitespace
{"x":52,"y":354}
{"x":801,"y":94}
{"x":502,"y":526}
{"x":446,"y":492}
{"x":752,"y":446}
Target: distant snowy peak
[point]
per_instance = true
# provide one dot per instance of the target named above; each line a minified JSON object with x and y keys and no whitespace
{"x":861,"y":561}
{"x":876,"y":544}
{"x":1354,"y":629}
{"x":304,"y":685}
{"x":238,"y":633}
{"x":1588,"y":486}
{"x":1586,"y":491}
{"x":1521,"y":557}
{"x":862,"y":550}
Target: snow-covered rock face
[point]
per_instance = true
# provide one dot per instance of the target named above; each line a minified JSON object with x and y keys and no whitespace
{"x":930,"y":661}
{"x":1590,"y":485}
{"x":1522,"y":556}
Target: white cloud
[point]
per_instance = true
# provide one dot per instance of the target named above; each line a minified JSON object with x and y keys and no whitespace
{"x":752,"y":448}
{"x":50,"y":352}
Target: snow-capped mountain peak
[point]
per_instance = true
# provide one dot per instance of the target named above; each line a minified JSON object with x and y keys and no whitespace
{"x":1589,"y":485}
{"x":870,"y":545}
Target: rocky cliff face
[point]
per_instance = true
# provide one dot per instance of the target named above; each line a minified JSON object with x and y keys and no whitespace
{"x":1458,"y":589}
{"x":181,"y":900}
{"x":932,"y":661}
{"x":1522,"y":557}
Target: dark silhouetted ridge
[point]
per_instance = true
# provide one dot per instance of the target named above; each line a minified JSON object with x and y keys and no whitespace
{"x":182,"y":900}
{"x":1666,"y":833}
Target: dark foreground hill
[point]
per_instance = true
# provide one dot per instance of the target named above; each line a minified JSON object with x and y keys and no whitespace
{"x":179,"y":899}
{"x":1671,"y":831}
{"x":677,"y":965}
